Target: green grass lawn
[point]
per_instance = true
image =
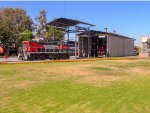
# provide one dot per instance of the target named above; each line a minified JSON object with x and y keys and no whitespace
{"x":120,"y":86}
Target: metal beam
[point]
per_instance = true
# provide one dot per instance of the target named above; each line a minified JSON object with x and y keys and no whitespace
{"x":88,"y":44}
{"x":75,"y":42}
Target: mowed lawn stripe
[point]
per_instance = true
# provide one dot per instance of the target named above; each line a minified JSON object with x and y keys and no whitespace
{"x":51,"y":88}
{"x":61,"y":96}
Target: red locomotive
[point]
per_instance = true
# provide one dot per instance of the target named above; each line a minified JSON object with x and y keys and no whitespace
{"x":102,"y":51}
{"x":31,"y":50}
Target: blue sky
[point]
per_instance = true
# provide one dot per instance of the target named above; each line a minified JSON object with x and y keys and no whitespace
{"x":127,"y":18}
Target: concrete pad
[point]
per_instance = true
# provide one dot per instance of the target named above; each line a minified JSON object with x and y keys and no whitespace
{"x":144,"y":55}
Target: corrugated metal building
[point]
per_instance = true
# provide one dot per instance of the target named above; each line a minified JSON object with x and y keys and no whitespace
{"x":115,"y":45}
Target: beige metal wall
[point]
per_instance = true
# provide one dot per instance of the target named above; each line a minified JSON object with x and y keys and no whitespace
{"x":119,"y":46}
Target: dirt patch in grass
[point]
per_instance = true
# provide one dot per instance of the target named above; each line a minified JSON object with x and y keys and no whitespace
{"x":81,"y":108}
{"x":23,"y":84}
{"x":85,"y":75}
{"x":126,"y":61}
{"x":65,"y":70}
{"x":139,"y":71}
{"x":102,"y":80}
{"x":93,"y":73}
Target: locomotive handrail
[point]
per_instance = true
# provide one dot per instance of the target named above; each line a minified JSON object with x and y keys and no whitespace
{"x":37,"y":49}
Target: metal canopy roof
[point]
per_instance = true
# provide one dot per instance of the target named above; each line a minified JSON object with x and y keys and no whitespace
{"x":65,"y":22}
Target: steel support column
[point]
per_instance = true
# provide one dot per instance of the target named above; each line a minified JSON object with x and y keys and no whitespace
{"x":97,"y":48}
{"x":94,"y":47}
{"x":88,"y":44}
{"x":68,"y":36}
{"x":75,"y":42}
{"x":82,"y":46}
{"x":107,"y":45}
{"x":78,"y":46}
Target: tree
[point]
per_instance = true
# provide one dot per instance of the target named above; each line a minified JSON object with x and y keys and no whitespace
{"x":41,"y":22}
{"x":25,"y":36}
{"x":55,"y":34}
{"x":12,"y":22}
